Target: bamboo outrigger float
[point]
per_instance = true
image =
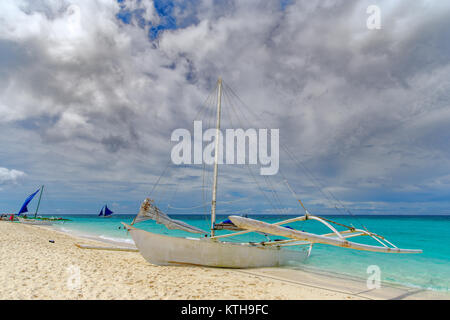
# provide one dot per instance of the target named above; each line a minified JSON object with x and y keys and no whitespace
{"x":213,"y":250}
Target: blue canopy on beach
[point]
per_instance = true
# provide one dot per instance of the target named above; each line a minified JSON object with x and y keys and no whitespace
{"x":24,"y":207}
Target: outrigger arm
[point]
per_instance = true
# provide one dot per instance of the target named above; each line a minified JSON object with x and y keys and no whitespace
{"x":330,"y":239}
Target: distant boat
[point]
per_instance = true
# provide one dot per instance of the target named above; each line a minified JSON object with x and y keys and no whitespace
{"x":105,"y":212}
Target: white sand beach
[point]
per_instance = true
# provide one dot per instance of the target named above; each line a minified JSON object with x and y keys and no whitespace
{"x":31,"y":267}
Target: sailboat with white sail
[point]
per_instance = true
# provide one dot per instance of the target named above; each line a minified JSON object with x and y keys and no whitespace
{"x":214,"y":250}
{"x":105,"y":212}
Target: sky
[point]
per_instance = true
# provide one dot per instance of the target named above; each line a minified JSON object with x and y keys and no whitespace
{"x":90,"y":91}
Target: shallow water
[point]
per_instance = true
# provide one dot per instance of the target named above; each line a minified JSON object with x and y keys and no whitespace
{"x":430,"y":270}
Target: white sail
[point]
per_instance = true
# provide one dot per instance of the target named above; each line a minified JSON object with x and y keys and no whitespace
{"x":149,"y":211}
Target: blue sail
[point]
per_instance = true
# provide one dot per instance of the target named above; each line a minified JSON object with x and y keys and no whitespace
{"x":24,"y":208}
{"x":107,"y":211}
{"x":101,"y":212}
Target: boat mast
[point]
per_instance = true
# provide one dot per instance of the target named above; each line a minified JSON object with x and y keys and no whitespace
{"x":39,"y":202}
{"x":216,"y":157}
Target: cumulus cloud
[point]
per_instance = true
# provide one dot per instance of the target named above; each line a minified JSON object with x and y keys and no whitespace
{"x":10,"y":175}
{"x":99,"y":90}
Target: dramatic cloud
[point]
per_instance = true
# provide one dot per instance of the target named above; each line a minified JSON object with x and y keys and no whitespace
{"x":90,"y":91}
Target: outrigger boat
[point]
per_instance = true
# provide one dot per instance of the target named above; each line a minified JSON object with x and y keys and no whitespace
{"x":214,"y":251}
{"x":24,"y":209}
{"x":36,"y":220}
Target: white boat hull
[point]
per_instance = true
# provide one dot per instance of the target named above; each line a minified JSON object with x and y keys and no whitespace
{"x":35,"y":222}
{"x":164,"y":250}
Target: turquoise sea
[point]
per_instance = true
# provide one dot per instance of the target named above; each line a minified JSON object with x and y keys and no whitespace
{"x":430,"y":270}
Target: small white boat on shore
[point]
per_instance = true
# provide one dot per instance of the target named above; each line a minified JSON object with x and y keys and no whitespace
{"x":35,"y":222}
{"x":165,"y":250}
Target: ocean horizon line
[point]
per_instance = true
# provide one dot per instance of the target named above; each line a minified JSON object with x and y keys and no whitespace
{"x":260,"y":214}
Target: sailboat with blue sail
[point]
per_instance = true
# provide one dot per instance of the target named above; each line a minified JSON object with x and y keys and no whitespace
{"x":105,"y":212}
{"x":24,"y":209}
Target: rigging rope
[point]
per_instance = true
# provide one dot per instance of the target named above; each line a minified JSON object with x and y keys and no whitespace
{"x":276,"y":199}
{"x":206,"y":204}
{"x":276,"y":203}
{"x":290,"y":155}
{"x":229,"y":95}
{"x":157,"y":184}
{"x":248,"y":166}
